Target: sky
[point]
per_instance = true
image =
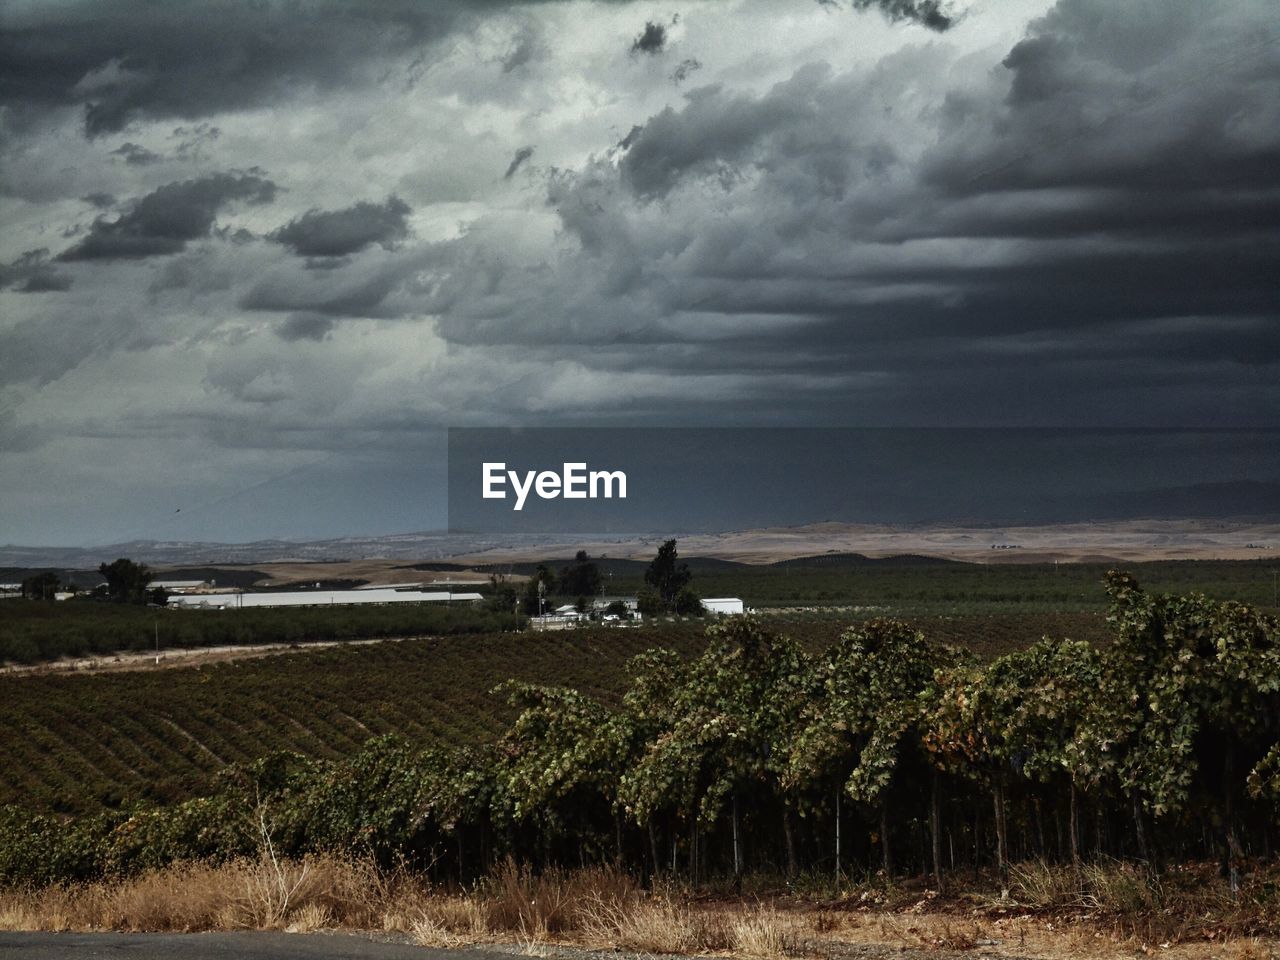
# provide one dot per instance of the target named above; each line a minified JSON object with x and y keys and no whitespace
{"x":256,"y":258}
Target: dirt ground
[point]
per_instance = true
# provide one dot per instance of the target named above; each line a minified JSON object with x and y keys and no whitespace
{"x":177,"y":657}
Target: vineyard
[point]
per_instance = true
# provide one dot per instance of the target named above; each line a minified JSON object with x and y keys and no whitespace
{"x":908,"y":586}
{"x":1013,"y":603}
{"x":34,"y":631}
{"x":85,"y":743}
{"x":746,"y":750}
{"x":81,"y":743}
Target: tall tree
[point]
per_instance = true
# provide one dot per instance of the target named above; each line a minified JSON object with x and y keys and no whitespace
{"x":667,"y":575}
{"x":581,"y":578}
{"x":126,"y":581}
{"x":41,"y":586}
{"x":537,"y":592}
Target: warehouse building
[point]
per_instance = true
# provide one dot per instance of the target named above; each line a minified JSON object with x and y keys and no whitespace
{"x":315,"y":598}
{"x":724,"y":605}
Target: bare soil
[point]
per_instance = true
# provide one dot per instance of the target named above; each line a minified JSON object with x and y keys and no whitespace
{"x":178,"y":657}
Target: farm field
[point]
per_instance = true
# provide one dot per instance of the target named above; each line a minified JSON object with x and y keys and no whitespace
{"x":80,"y":743}
{"x":498,"y":759}
{"x":83,"y":743}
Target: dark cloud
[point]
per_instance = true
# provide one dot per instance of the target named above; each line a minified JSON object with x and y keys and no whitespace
{"x":339,"y":233}
{"x":651,"y":40}
{"x":151,"y":58}
{"x":523,"y":154}
{"x":45,"y":282}
{"x":1080,"y":227}
{"x":158,"y":59}
{"x":1096,"y":220}
{"x":1098,"y":100}
{"x":713,"y":131}
{"x":136,"y":155}
{"x":100,"y":200}
{"x":933,"y":14}
{"x":373,"y":287}
{"x":33,"y":273}
{"x":305,"y":326}
{"x":165,"y":220}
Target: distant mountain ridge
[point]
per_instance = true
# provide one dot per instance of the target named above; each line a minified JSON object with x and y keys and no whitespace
{"x":802,"y":545}
{"x":423,"y":546}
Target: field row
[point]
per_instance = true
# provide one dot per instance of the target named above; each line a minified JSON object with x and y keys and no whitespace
{"x":80,"y":743}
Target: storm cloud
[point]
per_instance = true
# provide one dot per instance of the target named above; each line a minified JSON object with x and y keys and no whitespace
{"x":652,"y":39}
{"x":338,"y":233}
{"x":33,"y":273}
{"x":165,"y":220}
{"x":155,"y":59}
{"x":1056,"y":213}
{"x":933,"y":14}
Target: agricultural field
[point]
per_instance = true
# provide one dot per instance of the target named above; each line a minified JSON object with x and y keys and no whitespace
{"x":80,"y":743}
{"x":1128,"y":762}
{"x":84,"y":743}
{"x":33,"y":631}
{"x":916,"y":585}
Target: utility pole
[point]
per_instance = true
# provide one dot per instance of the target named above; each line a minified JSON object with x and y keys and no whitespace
{"x":157,"y":641}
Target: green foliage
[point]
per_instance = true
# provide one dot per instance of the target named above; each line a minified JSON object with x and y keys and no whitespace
{"x":667,"y":575}
{"x":727,"y":721}
{"x":581,"y":578}
{"x":730,"y":735}
{"x":76,"y":744}
{"x":126,"y":581}
{"x":41,"y":586}
{"x":538,"y":592}
{"x":31,"y":632}
{"x":1184,"y":670}
{"x":648,"y":603}
{"x":873,"y":690}
{"x":689,"y":604}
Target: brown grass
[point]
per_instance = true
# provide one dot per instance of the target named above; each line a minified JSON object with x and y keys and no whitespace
{"x":1105,"y":911}
{"x":261,"y":894}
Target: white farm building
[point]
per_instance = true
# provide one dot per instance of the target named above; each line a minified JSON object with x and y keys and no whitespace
{"x":723,"y":605}
{"x":316,"y":598}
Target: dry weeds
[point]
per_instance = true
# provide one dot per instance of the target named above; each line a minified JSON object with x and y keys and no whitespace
{"x":1054,"y":913}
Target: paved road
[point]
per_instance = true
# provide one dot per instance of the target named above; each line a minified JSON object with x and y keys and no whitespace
{"x":217,"y":946}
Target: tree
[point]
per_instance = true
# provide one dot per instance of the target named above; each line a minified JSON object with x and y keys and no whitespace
{"x":648,"y":603}
{"x":667,"y":575}
{"x":540,"y":586}
{"x":126,"y":581}
{"x":502,"y":594}
{"x":581,"y":578}
{"x":41,"y":586}
{"x":689,"y":604}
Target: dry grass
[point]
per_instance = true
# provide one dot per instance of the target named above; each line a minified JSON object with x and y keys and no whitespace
{"x":241,"y":895}
{"x":765,"y":932}
{"x":1104,"y":911}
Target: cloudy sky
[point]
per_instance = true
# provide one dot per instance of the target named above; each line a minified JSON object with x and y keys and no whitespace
{"x":256,"y":257}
